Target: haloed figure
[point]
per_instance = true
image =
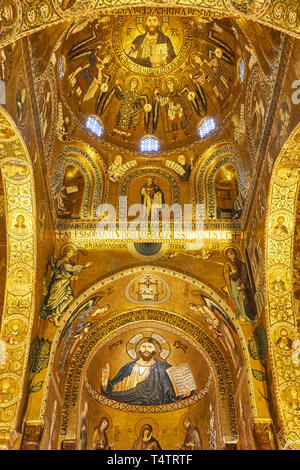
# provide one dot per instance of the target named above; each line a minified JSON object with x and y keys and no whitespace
{"x":154,"y":48}
{"x":192,"y":439}
{"x":20,"y":226}
{"x":7,"y":14}
{"x":144,"y":381}
{"x":59,"y":292}
{"x":238,"y":285}
{"x":152,"y":195}
{"x":133,"y":105}
{"x":280,"y":229}
{"x":145,"y":441}
{"x":186,"y":166}
{"x":100,"y":440}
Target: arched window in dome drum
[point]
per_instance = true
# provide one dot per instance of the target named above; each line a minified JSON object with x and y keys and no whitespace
{"x":93,"y":124}
{"x":206,"y":127}
{"x":149,"y":144}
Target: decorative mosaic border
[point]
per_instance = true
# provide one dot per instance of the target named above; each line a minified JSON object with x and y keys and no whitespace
{"x":280,"y":309}
{"x":19,"y":191}
{"x":36,"y":15}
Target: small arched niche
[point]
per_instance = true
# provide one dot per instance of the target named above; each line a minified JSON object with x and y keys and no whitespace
{"x":227,"y":193}
{"x":69,"y":200}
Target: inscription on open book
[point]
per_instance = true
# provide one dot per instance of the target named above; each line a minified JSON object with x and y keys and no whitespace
{"x":182,"y":379}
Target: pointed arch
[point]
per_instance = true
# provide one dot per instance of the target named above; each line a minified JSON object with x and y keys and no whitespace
{"x":78,"y":353}
{"x":211,"y":205}
{"x":280,"y":307}
{"x":93,"y":175}
{"x":210,"y":162}
{"x":19,"y":302}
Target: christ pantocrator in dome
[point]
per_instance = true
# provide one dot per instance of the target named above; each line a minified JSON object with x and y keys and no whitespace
{"x":153,"y":48}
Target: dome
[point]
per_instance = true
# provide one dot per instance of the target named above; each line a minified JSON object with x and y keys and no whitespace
{"x":158,"y":76}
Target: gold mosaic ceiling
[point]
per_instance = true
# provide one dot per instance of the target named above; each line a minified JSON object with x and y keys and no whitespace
{"x":150,"y":75}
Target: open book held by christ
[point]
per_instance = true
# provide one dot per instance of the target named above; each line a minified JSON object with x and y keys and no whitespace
{"x":182,"y":379}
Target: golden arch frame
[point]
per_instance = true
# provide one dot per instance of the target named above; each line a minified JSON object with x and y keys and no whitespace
{"x":19,"y":192}
{"x":120,"y":274}
{"x":280,"y":310}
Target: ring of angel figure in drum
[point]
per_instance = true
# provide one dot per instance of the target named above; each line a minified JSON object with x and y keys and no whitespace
{"x":151,"y":45}
{"x":121,"y":84}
